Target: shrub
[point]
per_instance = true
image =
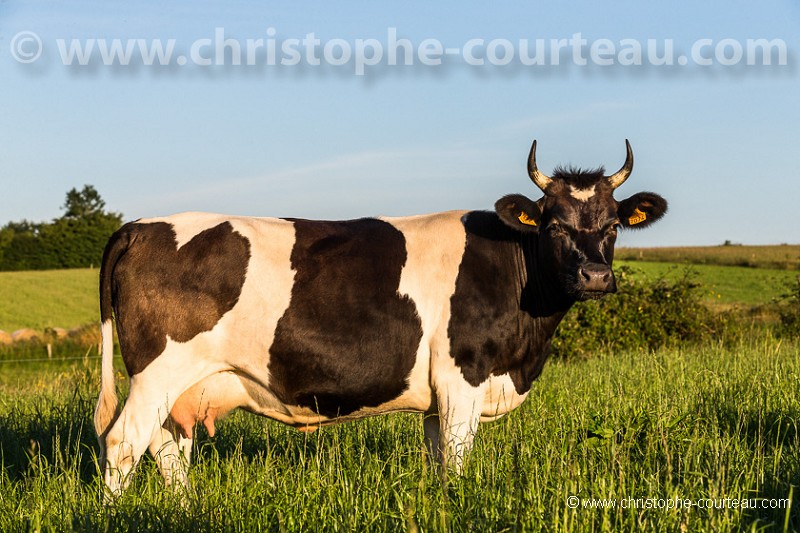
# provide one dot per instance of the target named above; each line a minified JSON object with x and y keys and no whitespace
{"x":644,"y":313}
{"x":789,"y":311}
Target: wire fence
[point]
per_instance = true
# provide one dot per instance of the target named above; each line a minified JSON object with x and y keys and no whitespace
{"x":50,"y":359}
{"x":55,"y":359}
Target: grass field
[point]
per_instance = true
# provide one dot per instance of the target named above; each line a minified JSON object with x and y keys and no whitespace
{"x":785,"y":256}
{"x":701,"y":424}
{"x":50,"y":298}
{"x":729,"y":285}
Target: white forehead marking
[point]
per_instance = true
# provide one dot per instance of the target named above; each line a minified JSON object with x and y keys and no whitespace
{"x":581,"y":194}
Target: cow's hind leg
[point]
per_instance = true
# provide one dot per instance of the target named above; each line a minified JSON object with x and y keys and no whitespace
{"x":139,"y":425}
{"x":172,"y":453}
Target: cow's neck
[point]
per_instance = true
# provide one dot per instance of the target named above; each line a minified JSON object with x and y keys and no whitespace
{"x":502,"y":318}
{"x":541,"y":309}
{"x":542,"y":295}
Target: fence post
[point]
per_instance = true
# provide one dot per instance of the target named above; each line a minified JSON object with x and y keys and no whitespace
{"x":49,"y":351}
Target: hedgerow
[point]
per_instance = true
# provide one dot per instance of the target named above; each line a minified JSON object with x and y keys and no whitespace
{"x":790,"y":311}
{"x":644,"y":313}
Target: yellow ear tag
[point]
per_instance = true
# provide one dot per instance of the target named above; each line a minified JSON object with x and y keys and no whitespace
{"x":523,"y":217}
{"x":637,"y":217}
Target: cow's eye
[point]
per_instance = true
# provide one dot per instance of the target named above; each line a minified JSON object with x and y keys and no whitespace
{"x":611,"y":230}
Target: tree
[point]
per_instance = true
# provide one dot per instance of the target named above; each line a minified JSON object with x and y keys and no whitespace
{"x":23,"y":226}
{"x":84,"y":203}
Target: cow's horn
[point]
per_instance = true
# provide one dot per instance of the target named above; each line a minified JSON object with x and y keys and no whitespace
{"x":619,"y":178}
{"x":541,"y":180}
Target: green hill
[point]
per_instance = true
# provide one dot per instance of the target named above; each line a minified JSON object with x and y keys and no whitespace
{"x":50,"y":298}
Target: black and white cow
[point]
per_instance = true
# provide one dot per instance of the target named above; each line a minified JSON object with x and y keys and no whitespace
{"x":312,"y":323}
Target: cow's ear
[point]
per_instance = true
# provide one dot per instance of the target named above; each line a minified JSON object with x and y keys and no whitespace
{"x":641,"y":210}
{"x":519,"y":212}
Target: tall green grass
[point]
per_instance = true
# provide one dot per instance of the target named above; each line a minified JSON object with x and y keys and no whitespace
{"x":707,"y":421}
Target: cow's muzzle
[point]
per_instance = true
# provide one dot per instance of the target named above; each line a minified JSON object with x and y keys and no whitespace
{"x":595,"y":280}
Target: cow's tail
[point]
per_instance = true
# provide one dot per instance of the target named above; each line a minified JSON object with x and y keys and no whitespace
{"x":107,"y":408}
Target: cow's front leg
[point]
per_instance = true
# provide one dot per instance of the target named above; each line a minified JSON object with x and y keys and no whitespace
{"x":460,"y":407}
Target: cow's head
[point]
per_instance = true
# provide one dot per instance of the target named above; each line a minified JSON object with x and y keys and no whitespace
{"x":575,"y":224}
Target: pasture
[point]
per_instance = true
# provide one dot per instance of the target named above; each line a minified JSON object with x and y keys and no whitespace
{"x":702,"y":424}
{"x":706,"y":424}
{"x":784,"y":256}
{"x":49,"y":298}
{"x":723,"y":285}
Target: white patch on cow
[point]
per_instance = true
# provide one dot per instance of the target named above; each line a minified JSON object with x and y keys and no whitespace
{"x":581,"y":195}
{"x":434,"y":247}
{"x":266,"y":293}
{"x":248,"y":330}
{"x":501,"y":398}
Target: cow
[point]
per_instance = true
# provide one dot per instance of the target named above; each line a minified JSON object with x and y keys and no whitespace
{"x":318,"y":322}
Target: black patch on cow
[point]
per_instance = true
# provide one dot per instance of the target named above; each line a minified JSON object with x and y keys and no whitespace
{"x":160,"y":290}
{"x":498,"y":324}
{"x":348,"y":340}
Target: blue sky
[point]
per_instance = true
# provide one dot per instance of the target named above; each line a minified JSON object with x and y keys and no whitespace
{"x":719,"y":142}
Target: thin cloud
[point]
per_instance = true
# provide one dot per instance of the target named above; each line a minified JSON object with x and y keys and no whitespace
{"x":377,"y":173}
